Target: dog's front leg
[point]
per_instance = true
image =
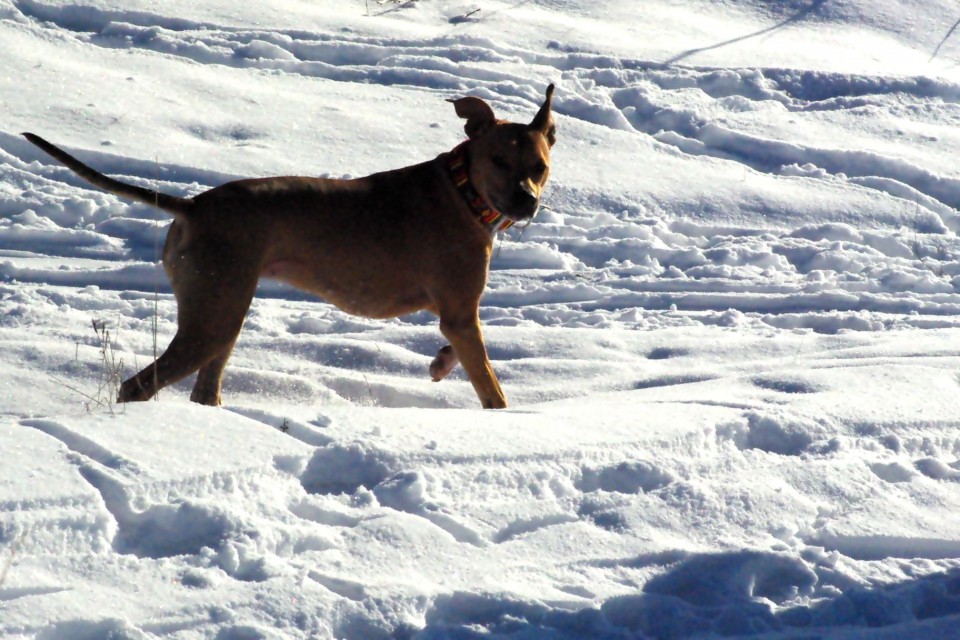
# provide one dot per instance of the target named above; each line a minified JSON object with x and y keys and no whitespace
{"x":465,"y":337}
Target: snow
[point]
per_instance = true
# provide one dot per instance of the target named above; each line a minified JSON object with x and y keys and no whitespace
{"x":729,"y":344}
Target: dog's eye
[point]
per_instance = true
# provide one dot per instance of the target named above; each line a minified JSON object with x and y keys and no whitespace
{"x":500,"y":163}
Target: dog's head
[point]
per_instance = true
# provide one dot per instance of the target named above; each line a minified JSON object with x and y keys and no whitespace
{"x":509,"y":162}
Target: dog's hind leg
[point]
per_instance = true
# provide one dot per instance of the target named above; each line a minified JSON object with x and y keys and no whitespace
{"x":190,"y":350}
{"x":210,"y":314}
{"x":206,"y":390}
{"x":186,"y":354}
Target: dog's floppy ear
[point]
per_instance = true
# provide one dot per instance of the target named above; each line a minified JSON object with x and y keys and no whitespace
{"x":543,"y":122}
{"x":478,"y":114}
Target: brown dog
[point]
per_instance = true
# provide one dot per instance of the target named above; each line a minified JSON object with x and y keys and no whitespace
{"x":381,"y":246}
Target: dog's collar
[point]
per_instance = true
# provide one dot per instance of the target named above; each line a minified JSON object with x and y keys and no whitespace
{"x":458,"y":164}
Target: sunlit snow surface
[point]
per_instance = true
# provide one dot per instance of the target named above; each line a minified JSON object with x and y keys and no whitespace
{"x":731,"y":343}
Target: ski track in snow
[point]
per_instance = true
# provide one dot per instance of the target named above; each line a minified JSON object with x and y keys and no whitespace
{"x":317,"y":493}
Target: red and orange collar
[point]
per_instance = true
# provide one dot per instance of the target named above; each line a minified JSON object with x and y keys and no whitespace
{"x":458,"y":164}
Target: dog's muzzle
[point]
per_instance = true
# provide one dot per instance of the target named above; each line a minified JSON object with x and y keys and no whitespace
{"x":523,"y":203}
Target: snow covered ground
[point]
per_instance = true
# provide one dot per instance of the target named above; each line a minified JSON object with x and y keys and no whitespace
{"x":731,"y":344}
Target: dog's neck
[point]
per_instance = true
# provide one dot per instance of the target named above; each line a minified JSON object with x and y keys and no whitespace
{"x":458,"y":165}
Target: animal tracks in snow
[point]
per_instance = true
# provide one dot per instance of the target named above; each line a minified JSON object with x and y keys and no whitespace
{"x":380,"y":486}
{"x":152,"y":510}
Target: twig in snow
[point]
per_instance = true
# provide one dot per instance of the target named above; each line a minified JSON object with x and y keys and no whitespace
{"x":465,"y":17}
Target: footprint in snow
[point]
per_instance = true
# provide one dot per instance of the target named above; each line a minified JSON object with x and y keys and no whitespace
{"x":625,"y":477}
{"x":785,"y":385}
{"x":665,"y":353}
{"x":936,"y":469}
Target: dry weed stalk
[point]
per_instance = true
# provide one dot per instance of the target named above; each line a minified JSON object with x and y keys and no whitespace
{"x":109,"y":371}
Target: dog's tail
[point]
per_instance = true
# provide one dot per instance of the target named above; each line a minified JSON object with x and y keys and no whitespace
{"x":170,"y":204}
